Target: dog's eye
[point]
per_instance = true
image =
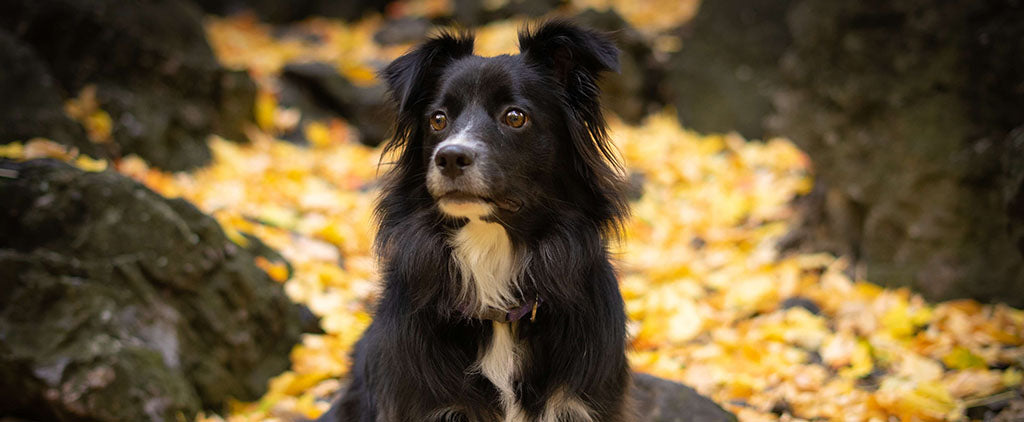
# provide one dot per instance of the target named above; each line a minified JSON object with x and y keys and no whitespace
{"x":515,"y":118}
{"x":438,"y":121}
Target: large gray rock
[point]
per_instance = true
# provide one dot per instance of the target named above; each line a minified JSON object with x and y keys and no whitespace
{"x":723,"y":77}
{"x":117,"y":304}
{"x":910,"y":111}
{"x":287,"y":11}
{"x":154,"y":71}
{"x":472,"y":13}
{"x":906,"y":109}
{"x":319,"y":91}
{"x":661,"y":400}
{"x":32,"y":103}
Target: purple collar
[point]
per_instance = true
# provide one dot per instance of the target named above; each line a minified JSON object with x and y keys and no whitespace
{"x":514,"y":314}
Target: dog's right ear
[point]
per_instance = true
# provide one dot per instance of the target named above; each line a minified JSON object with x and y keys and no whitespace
{"x":411,"y":78}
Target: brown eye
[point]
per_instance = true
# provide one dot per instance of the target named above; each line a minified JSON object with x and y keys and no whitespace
{"x":515,"y":118}
{"x":438,"y":121}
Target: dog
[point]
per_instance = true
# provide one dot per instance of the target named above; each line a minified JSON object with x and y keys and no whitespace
{"x":499,"y":302}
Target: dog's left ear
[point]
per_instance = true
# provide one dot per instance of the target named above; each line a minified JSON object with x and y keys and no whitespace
{"x":410,"y":78}
{"x":575,"y":56}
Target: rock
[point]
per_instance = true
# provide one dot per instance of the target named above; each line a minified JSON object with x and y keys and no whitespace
{"x":907,"y":110}
{"x":472,"y":13}
{"x":153,"y":70}
{"x":32,"y":103}
{"x":722,"y":78}
{"x":117,"y":304}
{"x":279,"y":12}
{"x":1013,"y":186}
{"x":407,"y":30}
{"x":319,"y":91}
{"x":661,"y":400}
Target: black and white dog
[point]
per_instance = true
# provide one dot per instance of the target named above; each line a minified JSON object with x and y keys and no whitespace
{"x":499,"y":302}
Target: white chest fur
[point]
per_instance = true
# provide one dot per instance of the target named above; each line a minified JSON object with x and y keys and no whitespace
{"x":490,"y":274}
{"x":485,"y":257}
{"x":500,"y":364}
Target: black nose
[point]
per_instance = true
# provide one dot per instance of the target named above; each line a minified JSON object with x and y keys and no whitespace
{"x":453,"y":160}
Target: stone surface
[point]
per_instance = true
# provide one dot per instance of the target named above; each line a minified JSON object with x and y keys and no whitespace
{"x":910,"y":112}
{"x":471,"y":13}
{"x":117,"y":304}
{"x":319,"y":91}
{"x":287,"y":11}
{"x":726,"y":70}
{"x":32,"y":103}
{"x":153,"y":70}
{"x":660,"y":400}
{"x":907,"y":110}
{"x":406,"y":30}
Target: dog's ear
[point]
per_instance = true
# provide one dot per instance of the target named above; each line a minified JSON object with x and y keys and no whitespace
{"x":570,"y":52}
{"x":410,"y":78}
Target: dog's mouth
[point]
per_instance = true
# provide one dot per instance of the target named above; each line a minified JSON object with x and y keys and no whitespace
{"x":460,"y":198}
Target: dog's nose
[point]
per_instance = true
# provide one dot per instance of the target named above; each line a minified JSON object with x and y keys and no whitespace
{"x":452,"y":160}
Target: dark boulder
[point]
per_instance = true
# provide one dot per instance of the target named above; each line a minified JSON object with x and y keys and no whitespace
{"x":287,"y":11}
{"x":407,"y":30}
{"x":723,"y":77}
{"x":319,"y":91}
{"x":153,"y":70}
{"x":910,"y":112}
{"x":661,"y":400}
{"x":907,"y":110}
{"x":471,"y":13}
{"x":32,"y":103}
{"x":117,"y":304}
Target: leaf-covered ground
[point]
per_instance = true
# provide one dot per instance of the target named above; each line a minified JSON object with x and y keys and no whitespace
{"x":711,"y":302}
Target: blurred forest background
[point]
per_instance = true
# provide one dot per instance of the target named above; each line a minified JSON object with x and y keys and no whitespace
{"x":828,"y":202}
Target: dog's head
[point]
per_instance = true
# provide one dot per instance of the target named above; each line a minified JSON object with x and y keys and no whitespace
{"x":509,"y":136}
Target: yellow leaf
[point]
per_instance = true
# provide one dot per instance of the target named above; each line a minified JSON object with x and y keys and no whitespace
{"x":686,"y":323}
{"x":98,"y":125}
{"x":266,"y":110}
{"x":896,"y":320}
{"x":13,"y":150}
{"x":278,"y":271}
{"x":962,"y":358}
{"x":1012,"y":377}
{"x":235,"y":236}
{"x":360,"y":75}
{"x":87,"y":163}
{"x":916,"y":401}
{"x":861,"y":363}
{"x":318,"y":134}
{"x":45,"y":148}
{"x":278,"y":216}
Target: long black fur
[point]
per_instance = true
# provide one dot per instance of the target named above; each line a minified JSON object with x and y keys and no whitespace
{"x":416,"y":357}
